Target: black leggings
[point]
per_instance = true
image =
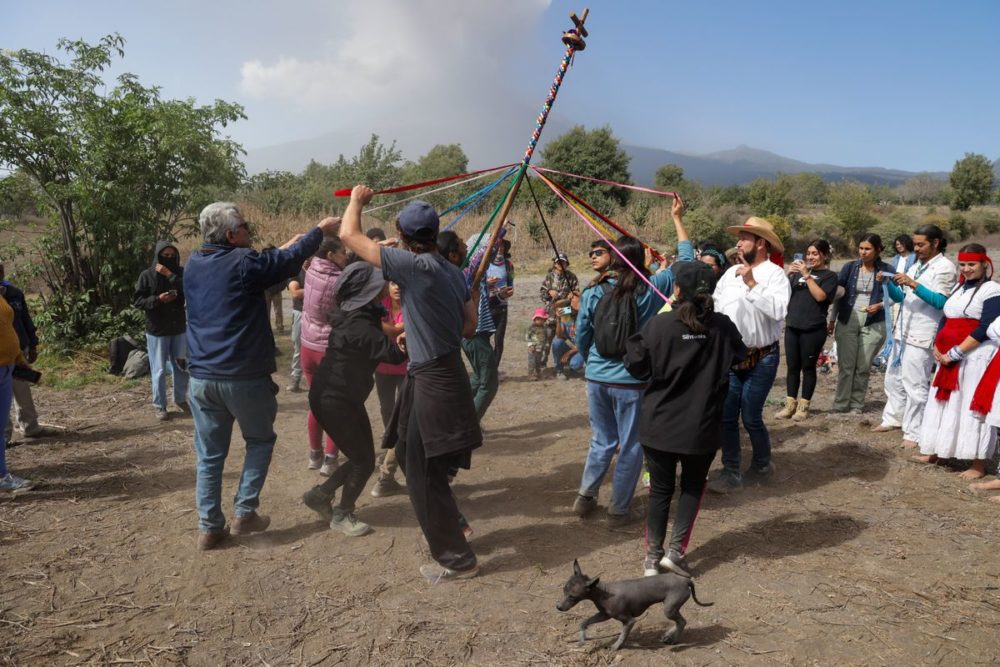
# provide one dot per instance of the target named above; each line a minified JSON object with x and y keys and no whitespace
{"x":500,"y":320}
{"x":802,"y":349}
{"x":348,"y":425}
{"x":662,"y":468}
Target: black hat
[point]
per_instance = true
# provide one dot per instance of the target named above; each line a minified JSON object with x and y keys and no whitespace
{"x":358,"y":285}
{"x":693,"y":278}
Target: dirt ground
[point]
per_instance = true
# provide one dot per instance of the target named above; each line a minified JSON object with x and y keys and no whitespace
{"x":852,"y":556}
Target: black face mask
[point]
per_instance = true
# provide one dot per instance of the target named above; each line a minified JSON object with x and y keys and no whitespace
{"x":172,"y":263}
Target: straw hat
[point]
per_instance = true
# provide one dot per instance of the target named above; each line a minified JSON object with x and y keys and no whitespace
{"x":759,"y":227}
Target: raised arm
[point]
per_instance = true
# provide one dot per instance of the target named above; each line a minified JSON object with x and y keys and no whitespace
{"x":350,"y":227}
{"x":685,"y":250}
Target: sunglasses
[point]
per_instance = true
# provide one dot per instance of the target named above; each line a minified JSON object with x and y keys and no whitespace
{"x":598,"y":253}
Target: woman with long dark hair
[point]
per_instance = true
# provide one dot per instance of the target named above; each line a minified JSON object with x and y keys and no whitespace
{"x":860,"y":328}
{"x":952,"y":427}
{"x":813,"y":289}
{"x":613,"y":395}
{"x":684,"y":356}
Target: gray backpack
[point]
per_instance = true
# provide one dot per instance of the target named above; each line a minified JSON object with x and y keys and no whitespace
{"x":137,"y":365}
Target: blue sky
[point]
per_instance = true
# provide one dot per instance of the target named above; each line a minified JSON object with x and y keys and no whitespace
{"x":901,"y":84}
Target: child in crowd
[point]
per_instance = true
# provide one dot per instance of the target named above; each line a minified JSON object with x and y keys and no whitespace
{"x":339,"y":390}
{"x":537,"y":336}
{"x":565,"y":354}
{"x":388,"y":380}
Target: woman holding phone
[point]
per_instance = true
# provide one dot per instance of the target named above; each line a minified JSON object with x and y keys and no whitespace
{"x":813,"y":288}
{"x":860,"y":329}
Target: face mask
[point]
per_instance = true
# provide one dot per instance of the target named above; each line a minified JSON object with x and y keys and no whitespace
{"x":171,"y":263}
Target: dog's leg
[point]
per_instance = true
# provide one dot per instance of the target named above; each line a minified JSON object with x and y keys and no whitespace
{"x":673,"y":635}
{"x":626,"y":629}
{"x":596,"y":618}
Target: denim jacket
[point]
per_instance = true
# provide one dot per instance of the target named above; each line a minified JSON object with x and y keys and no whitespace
{"x":848,"y":279}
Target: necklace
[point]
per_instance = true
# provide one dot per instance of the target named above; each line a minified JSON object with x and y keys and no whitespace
{"x":866,"y":286}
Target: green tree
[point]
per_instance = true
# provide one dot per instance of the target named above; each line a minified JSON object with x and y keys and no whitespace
{"x":116,"y":168}
{"x":769,"y":198}
{"x":851,"y":203}
{"x":441,"y":161}
{"x":669,"y":176}
{"x":804,"y":188}
{"x":971,"y":181}
{"x":597,"y":154}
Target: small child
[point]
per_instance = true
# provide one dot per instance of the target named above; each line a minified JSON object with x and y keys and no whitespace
{"x":537,"y":335}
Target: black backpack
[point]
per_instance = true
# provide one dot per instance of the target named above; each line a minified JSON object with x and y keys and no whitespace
{"x":614,"y":321}
{"x":118,"y":351}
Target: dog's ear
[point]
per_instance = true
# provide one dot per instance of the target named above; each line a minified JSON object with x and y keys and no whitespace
{"x":593,"y":582}
{"x":576,"y":567}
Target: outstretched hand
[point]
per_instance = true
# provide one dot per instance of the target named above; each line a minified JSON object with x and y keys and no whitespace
{"x":677,"y":208}
{"x":362,"y":194}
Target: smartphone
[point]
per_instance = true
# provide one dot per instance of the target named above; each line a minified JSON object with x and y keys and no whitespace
{"x":26,"y":374}
{"x":798,"y":257}
{"x":172,"y":292}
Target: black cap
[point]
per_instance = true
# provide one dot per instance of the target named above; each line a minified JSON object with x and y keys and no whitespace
{"x":693,"y":278}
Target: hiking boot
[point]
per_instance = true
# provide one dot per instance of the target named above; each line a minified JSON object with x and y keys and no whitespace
{"x":621,"y":520}
{"x":726,"y":482}
{"x":319,"y":502}
{"x":330,"y":463}
{"x":789,"y":409}
{"x":438,"y":574}
{"x":802,"y":412}
{"x":347,"y":523}
{"x":209,"y":539}
{"x":386,"y":487}
{"x":676,"y":563}
{"x":754,"y":475}
{"x":11,"y":483}
{"x":650,"y":566}
{"x":315,"y":459}
{"x":251,"y":523}
{"x":584,"y":505}
{"x":162,"y":415}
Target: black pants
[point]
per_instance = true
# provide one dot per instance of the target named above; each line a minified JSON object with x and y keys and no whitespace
{"x":347,"y":424}
{"x":802,"y":349}
{"x":387,"y":386}
{"x":500,"y":320}
{"x":432,"y":499}
{"x":662,"y":468}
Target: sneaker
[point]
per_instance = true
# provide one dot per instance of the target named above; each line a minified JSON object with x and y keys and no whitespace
{"x":319,"y":502}
{"x":676,"y":563}
{"x":295,"y":387}
{"x":726,"y":482}
{"x":584,"y":505}
{"x":438,"y":574}
{"x":251,"y":523}
{"x":330,"y":463}
{"x":386,"y":487}
{"x":621,"y":520}
{"x":315,"y":459}
{"x":650,"y":567}
{"x":759,"y":475}
{"x":162,"y":415}
{"x":347,"y":523}
{"x":209,"y":539}
{"x":184,"y":407}
{"x":11,"y":483}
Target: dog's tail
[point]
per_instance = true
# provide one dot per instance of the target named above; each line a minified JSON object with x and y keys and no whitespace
{"x":695,"y":597}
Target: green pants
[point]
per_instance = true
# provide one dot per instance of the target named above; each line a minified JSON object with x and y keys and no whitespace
{"x":485,"y":380}
{"x":857,"y":345}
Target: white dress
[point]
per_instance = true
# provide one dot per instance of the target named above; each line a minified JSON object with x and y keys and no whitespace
{"x":950,"y":429}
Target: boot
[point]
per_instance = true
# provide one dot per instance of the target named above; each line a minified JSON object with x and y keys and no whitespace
{"x":787,"y":411}
{"x":802,"y":413}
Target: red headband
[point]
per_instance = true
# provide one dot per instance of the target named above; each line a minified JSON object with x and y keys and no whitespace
{"x":975,"y":257}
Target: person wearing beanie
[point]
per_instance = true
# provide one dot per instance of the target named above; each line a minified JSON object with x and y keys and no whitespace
{"x":536,"y":337}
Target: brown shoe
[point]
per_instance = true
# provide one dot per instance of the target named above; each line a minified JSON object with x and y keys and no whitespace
{"x":211,"y":539}
{"x":251,"y":523}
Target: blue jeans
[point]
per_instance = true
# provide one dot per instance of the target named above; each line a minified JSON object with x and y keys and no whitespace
{"x":296,"y":346}
{"x":167,"y":353}
{"x":561,"y":347}
{"x":215,"y":405}
{"x":748,"y":391}
{"x":614,"y":422}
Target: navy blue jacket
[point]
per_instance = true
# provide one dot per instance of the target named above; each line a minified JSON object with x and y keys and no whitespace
{"x":229,"y":332}
{"x":27,"y":337}
{"x":848,"y":279}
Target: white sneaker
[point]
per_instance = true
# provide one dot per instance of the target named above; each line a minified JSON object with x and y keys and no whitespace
{"x":11,"y":483}
{"x":330,"y":463}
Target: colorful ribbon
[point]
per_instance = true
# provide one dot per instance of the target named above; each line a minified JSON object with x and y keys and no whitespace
{"x":346,"y":192}
{"x":636,"y":188}
{"x":479,"y":196}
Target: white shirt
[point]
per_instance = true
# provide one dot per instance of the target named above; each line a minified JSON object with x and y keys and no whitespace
{"x":758,"y":313}
{"x":918,"y":320}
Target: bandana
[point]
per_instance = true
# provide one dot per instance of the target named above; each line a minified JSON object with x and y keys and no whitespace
{"x":975,"y":257}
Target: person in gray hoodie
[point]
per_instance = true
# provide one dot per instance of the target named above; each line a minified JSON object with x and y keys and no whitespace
{"x":159,"y":293}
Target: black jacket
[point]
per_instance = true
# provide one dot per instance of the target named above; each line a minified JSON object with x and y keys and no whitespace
{"x":356,"y":346}
{"x":27,"y":336}
{"x":688,"y":377}
{"x":162,"y":319}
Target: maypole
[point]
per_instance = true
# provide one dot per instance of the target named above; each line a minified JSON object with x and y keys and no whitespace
{"x":574,"y":41}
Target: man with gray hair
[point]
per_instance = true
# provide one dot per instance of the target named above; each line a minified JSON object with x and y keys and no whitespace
{"x":231,"y":359}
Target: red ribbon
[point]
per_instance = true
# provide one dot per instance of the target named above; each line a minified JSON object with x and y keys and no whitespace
{"x":346,"y":192}
{"x":954,"y":331}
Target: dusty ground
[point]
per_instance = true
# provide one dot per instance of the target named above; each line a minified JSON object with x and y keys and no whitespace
{"x":852,"y":556}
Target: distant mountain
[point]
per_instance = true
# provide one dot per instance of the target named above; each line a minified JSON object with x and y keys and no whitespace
{"x":743,"y":164}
